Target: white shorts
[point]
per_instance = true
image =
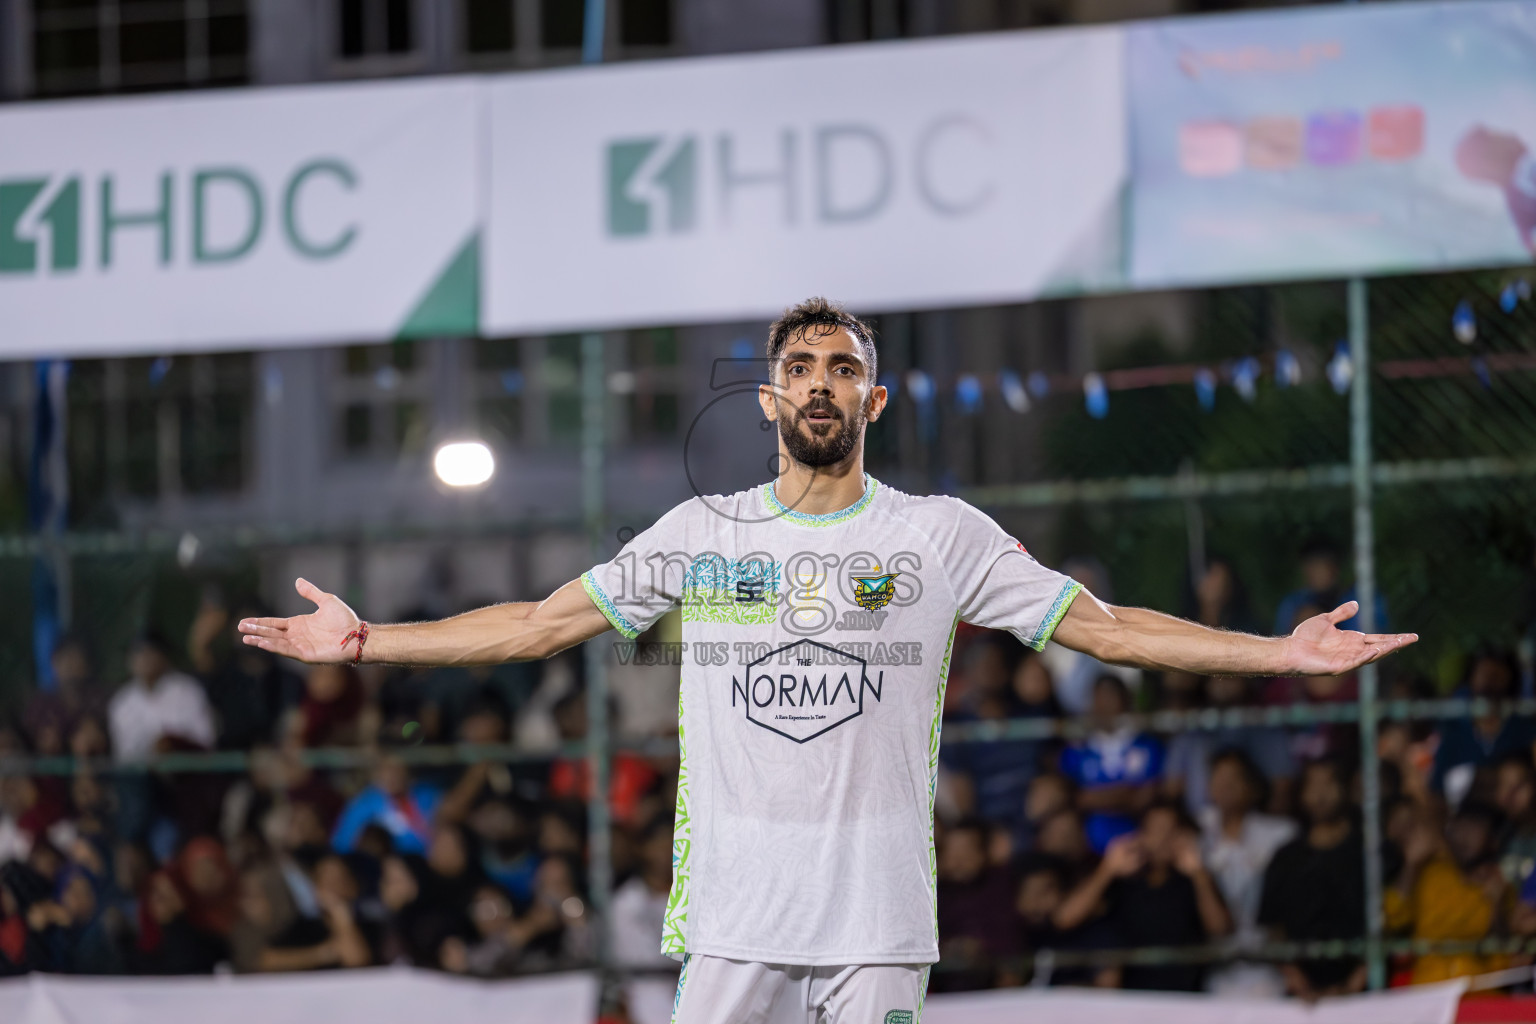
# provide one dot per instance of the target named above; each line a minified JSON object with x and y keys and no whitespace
{"x":712,"y":990}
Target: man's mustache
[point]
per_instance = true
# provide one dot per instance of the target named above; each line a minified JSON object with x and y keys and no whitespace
{"x":819,"y":405}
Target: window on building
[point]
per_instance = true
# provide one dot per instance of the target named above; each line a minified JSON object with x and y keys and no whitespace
{"x":560,"y":381}
{"x":561,"y":23}
{"x":852,"y":21}
{"x":544,"y":32}
{"x":375,"y":28}
{"x":649,"y":385}
{"x":645,"y":23}
{"x":155,"y":428}
{"x":489,"y":26}
{"x":383,"y":398}
{"x":15,"y":417}
{"x":94,"y":46}
{"x":529,"y":390}
{"x":499,"y":387}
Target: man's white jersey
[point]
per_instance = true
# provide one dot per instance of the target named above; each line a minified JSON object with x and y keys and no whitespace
{"x":815,"y":653}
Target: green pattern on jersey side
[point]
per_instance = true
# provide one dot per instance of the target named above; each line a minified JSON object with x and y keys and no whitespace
{"x":933,"y":774}
{"x":716,"y":604}
{"x":789,"y":515}
{"x":682,"y":979}
{"x":673,"y":942}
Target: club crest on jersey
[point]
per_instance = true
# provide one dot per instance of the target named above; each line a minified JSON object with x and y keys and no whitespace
{"x":873,"y":591}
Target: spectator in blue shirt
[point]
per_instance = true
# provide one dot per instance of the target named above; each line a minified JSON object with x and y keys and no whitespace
{"x":1320,"y":575}
{"x":1116,"y":768}
{"x":404,"y":809}
{"x":1466,"y":744}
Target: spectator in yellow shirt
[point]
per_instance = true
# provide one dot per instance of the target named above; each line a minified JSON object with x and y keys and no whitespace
{"x":1450,"y":888}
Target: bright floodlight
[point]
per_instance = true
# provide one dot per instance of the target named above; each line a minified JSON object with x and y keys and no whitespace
{"x":464,"y":464}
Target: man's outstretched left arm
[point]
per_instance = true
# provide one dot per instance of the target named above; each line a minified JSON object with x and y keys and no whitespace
{"x":1152,"y":640}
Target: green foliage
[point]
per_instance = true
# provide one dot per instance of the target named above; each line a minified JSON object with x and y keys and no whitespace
{"x":1454,"y":559}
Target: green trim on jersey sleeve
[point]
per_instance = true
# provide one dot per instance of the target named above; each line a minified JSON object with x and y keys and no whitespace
{"x":1053,"y":617}
{"x":607,"y":607}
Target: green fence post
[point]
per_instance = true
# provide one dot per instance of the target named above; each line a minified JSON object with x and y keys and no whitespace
{"x":594,"y":393}
{"x":1365,"y":593}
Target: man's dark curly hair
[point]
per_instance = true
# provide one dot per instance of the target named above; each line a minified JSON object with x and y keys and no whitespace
{"x":819,"y":317}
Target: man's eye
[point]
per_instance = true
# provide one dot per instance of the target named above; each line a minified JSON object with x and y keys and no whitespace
{"x":797,"y":368}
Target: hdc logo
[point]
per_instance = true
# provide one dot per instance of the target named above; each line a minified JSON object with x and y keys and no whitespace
{"x":55,"y":222}
{"x":221,"y":215}
{"x":831,"y":174}
{"x":645,"y":175}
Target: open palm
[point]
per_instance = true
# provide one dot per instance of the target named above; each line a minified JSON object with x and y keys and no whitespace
{"x":1318,"y":647}
{"x":318,"y":638}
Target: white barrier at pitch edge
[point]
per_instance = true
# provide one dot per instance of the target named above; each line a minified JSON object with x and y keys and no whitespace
{"x":1426,"y":1004}
{"x":650,"y":1002}
{"x":408,"y":996}
{"x":368,"y":996}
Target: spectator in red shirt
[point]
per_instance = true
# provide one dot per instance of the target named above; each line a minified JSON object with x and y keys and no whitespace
{"x":631,"y":777}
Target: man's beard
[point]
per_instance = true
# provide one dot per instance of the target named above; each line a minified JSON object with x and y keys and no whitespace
{"x":810,"y":450}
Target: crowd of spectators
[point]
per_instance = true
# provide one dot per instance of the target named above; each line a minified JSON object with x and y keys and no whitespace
{"x":119,"y":865}
{"x":1225,"y":838}
{"x":1109,"y":838}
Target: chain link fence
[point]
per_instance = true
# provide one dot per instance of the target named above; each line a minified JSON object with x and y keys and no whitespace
{"x":1227,"y":442}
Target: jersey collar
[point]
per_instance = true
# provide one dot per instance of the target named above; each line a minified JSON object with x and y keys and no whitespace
{"x":782,"y":511}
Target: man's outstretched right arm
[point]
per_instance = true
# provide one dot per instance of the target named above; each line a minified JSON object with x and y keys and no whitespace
{"x":523,"y":631}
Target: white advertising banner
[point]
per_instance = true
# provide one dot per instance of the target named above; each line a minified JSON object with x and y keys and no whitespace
{"x":226,"y":220}
{"x":409,"y":996}
{"x":650,"y":1002}
{"x":1425,"y":1004}
{"x":376,"y":996}
{"x":892,"y":176}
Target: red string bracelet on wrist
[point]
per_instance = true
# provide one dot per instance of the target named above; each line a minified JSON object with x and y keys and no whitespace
{"x":360,"y":634}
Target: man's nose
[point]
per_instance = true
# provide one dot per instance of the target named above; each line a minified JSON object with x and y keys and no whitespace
{"x":820,"y":384}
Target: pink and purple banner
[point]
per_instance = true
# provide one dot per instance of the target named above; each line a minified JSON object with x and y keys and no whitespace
{"x":1355,"y":140}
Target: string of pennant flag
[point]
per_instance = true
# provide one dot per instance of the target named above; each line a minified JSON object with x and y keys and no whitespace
{"x":1019,"y":391}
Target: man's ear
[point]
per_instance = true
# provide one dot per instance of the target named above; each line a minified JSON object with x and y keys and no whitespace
{"x":767,"y":397}
{"x":875,"y":405}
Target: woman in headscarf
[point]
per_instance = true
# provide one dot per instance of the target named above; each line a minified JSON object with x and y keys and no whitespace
{"x":211,"y":884}
{"x":169,"y":943}
{"x":77,"y":938}
{"x":453,"y":868}
{"x":424,"y":905}
{"x":21,"y":887}
{"x":333,"y":702}
{"x":266,"y":911}
{"x":400,"y":909}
